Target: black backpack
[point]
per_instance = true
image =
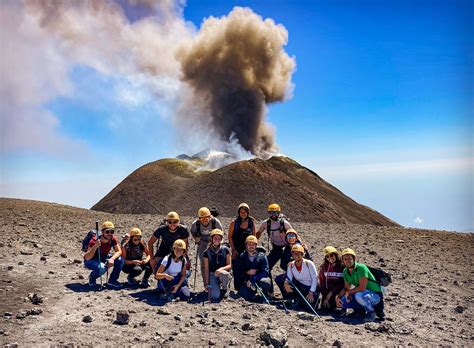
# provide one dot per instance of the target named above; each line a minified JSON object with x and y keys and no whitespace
{"x":282,"y":219}
{"x":91,"y":235}
{"x":381,"y":277}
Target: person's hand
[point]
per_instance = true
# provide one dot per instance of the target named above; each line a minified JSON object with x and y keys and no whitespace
{"x":310,"y":297}
{"x":325,"y":303}
{"x":174,"y":289}
{"x":249,"y":284}
{"x":252,"y":272}
{"x":110,"y":263}
{"x":153,"y":263}
{"x":168,"y":277}
{"x":197,"y":240}
{"x":97,"y":244}
{"x":137,"y":262}
{"x":349,"y":296}
{"x":287,"y":287}
{"x":338,"y":302}
{"x":235,"y":254}
{"x":217,"y":272}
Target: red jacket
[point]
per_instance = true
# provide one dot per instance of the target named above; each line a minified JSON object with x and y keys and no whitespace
{"x":330,"y":278}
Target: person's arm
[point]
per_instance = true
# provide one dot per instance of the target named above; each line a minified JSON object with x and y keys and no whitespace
{"x":341,"y":293}
{"x":362,"y":286}
{"x":147,"y":255}
{"x":262,"y":228}
{"x":194,"y":232}
{"x":117,"y":254}
{"x":254,"y":229}
{"x":314,"y":276}
{"x":91,"y":251}
{"x":289,"y":275}
{"x":206,"y":273}
{"x":160,"y":274}
{"x":231,"y":242}
{"x":151,"y":244}
{"x":264,"y":269}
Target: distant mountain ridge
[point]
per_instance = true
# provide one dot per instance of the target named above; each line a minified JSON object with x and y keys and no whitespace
{"x":177,"y":184}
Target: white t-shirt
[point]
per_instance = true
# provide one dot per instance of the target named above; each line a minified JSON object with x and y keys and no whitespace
{"x":277,"y":238}
{"x":175,"y":267}
{"x":307,"y":276}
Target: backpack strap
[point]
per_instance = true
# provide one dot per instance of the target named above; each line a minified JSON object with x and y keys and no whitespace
{"x":269,"y":226}
{"x":282,"y":225}
{"x":213,"y":222}
{"x":198,"y":228}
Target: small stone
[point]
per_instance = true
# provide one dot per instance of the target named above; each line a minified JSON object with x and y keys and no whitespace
{"x":43,"y":258}
{"x":177,"y":317}
{"x":123,"y":317}
{"x":26,"y":252}
{"x":35,"y":298}
{"x":34,"y":311}
{"x":9,"y":268}
{"x":372,"y":327}
{"x":248,"y":327}
{"x":8,"y":314}
{"x":371,"y":252}
{"x":305,"y":316}
{"x":21,"y":263}
{"x":459,"y":309}
{"x":443,"y":290}
{"x":21,"y":314}
{"x":142,"y":323}
{"x":233,"y":342}
{"x":87,"y":318}
{"x":63,"y":255}
{"x":337,"y":343}
{"x":163,"y":311}
{"x":211,"y":342}
{"x":80,"y":276}
{"x":247,"y":316}
{"x":77,"y":261}
{"x":277,"y":338}
{"x":52,"y":272}
{"x":37,"y":245}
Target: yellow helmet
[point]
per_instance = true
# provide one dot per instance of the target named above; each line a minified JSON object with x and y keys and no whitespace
{"x":274,"y":207}
{"x":135,"y":232}
{"x":330,"y":250}
{"x":245,"y":206}
{"x":172,"y":215}
{"x":204,"y":212}
{"x":180,"y":244}
{"x":297,"y":248}
{"x":107,"y":225}
{"x":251,"y":239}
{"x":217,"y":231}
{"x":348,"y":251}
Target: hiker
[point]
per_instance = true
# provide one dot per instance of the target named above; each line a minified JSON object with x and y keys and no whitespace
{"x":201,"y":230}
{"x":167,"y":234}
{"x":276,"y":226}
{"x":239,"y":229}
{"x":291,"y":238}
{"x":137,"y":258}
{"x":214,"y":211}
{"x":253,"y":271}
{"x":361,"y":291}
{"x":217,"y":265}
{"x":171,"y":274}
{"x":301,"y":273}
{"x":331,"y":280}
{"x":104,"y":245}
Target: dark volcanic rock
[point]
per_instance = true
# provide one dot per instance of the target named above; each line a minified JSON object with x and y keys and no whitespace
{"x":123,"y":317}
{"x":276,"y":338}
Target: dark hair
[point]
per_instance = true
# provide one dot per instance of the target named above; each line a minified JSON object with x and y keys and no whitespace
{"x":130,"y":242}
{"x":338,"y":261}
{"x":214,"y":211}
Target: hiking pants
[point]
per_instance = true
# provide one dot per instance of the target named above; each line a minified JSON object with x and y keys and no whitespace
{"x":215,"y":283}
{"x":366,"y":299}
{"x":99,"y":269}
{"x":202,"y":246}
{"x":249,"y":294}
{"x":136,"y":270}
{"x":280,"y":280}
{"x":304,"y":289}
{"x":275,"y":254}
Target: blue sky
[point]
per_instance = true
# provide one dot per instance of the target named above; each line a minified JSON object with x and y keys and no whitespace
{"x":381,"y":108}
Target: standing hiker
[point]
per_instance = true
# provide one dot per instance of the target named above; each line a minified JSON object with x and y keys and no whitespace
{"x":301,"y":280}
{"x":171,"y":273}
{"x":99,"y":250}
{"x":254,"y":274}
{"x":291,"y":238}
{"x":217,"y":265}
{"x":239,"y":229}
{"x":166,"y":235}
{"x":201,"y":230}
{"x":276,"y":226}
{"x":331,"y":280}
{"x":137,"y":258}
{"x":361,"y":291}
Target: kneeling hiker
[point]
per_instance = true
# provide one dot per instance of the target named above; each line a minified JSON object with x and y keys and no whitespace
{"x":361,"y":291}
{"x":301,"y":280}
{"x":137,"y":258}
{"x":172,"y":273}
{"x":254,"y":274}
{"x":106,"y":242}
{"x":331,"y":280}
{"x":217,"y":266}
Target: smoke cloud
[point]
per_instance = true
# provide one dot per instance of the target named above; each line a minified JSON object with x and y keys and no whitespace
{"x":235,"y":66}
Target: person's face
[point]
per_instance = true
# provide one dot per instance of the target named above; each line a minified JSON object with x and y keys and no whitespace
{"x":178,"y":252}
{"x":291,"y":238}
{"x":348,"y":261}
{"x":274,"y":214}
{"x":136,"y":239}
{"x":331,"y":258}
{"x":243,"y":213}
{"x":251,"y":247}
{"x":205,"y":220}
{"x":297,"y":256}
{"x":216,"y":239}
{"x":173,"y":224}
{"x":108,"y":233}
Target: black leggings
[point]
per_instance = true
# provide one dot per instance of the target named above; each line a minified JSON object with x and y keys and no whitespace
{"x":135,"y":270}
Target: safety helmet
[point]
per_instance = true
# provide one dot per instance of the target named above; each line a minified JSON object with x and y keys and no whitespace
{"x":251,"y":239}
{"x":330,"y":250}
{"x":135,"y":232}
{"x":180,"y":244}
{"x":245,"y":206}
{"x":107,"y":225}
{"x":217,"y":231}
{"x":204,"y":212}
{"x":172,"y":215}
{"x":348,"y":251}
{"x":274,"y":207}
{"x":297,"y":248}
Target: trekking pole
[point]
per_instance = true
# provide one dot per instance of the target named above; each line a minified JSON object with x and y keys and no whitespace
{"x":304,"y":298}
{"x":98,"y":253}
{"x":259,"y":289}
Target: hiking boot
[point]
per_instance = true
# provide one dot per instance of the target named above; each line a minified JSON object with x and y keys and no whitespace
{"x":92,"y":281}
{"x":169,"y":297}
{"x":145,"y":283}
{"x":131,"y":280}
{"x":369,"y":317}
{"x":114,"y":284}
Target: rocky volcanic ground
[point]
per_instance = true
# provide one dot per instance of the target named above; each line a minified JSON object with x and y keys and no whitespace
{"x":45,"y":299}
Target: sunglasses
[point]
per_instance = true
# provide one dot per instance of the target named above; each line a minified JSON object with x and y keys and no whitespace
{"x":136,"y":239}
{"x":291,"y":236}
{"x":109,"y":231}
{"x":274,"y":212}
{"x":173,"y":222}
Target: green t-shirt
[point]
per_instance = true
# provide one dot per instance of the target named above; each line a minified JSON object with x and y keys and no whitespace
{"x":361,"y":271}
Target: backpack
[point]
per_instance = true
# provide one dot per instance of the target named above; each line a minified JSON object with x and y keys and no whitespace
{"x":282,"y":219}
{"x":91,"y":235}
{"x":198,"y":226}
{"x":381,"y":277}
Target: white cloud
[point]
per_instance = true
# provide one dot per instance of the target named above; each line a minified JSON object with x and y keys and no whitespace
{"x":418,"y":220}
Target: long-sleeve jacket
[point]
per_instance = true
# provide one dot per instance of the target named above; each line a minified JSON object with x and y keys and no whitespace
{"x":331,"y":278}
{"x":260,"y":263}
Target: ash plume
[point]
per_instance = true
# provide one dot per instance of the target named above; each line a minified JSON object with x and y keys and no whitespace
{"x":235,"y":66}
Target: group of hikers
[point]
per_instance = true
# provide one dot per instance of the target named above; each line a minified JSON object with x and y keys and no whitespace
{"x":338,"y":282}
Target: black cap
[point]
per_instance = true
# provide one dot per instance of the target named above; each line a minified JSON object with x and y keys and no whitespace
{"x":214,"y":211}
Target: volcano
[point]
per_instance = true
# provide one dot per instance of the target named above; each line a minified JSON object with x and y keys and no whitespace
{"x":181,"y":185}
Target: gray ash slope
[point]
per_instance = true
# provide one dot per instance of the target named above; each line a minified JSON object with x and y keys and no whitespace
{"x":174,"y":184}
{"x":429,"y":302}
